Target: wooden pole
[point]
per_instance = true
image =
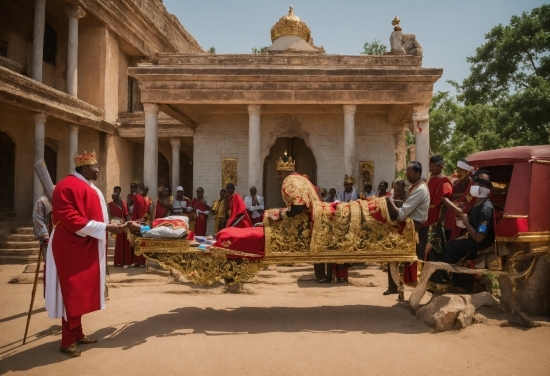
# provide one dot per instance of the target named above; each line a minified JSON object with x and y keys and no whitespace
{"x":33,"y":293}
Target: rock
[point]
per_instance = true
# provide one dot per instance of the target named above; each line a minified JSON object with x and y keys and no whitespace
{"x":447,"y":312}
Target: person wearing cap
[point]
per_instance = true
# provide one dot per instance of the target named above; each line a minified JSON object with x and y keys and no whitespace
{"x":461,"y":198}
{"x":235,"y":209}
{"x":479,"y":224}
{"x":181,"y":204}
{"x":76,"y":252}
{"x":200,"y":207}
{"x":349,"y":193}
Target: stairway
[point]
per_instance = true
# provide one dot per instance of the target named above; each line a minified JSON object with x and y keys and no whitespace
{"x":17,"y":244}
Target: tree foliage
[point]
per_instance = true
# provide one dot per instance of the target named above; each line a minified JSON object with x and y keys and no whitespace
{"x":261,"y":50}
{"x":374,"y":48}
{"x":212,"y":50}
{"x":505,"y":101}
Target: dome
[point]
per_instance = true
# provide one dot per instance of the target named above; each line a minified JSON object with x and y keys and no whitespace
{"x":290,"y":25}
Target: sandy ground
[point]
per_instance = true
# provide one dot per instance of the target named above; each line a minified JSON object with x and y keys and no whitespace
{"x":283,"y":323}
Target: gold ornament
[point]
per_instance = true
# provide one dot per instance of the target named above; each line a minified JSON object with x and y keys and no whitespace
{"x":285,"y":163}
{"x":86,"y":159}
{"x":349,"y":179}
{"x":289,"y":24}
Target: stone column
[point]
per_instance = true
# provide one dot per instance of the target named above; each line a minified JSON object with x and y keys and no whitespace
{"x":74,"y":13}
{"x":255,"y":165}
{"x":412,"y":152}
{"x":38,"y":39}
{"x":151,"y":149}
{"x":73,"y":145}
{"x":349,"y":138}
{"x":400,"y":147}
{"x":176,"y":145}
{"x":421,"y":121}
{"x":39,"y":136}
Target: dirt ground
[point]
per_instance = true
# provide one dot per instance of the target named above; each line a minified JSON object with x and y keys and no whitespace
{"x":282,"y":323}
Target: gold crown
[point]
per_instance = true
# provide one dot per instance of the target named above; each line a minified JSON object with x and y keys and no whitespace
{"x":135,"y":181}
{"x":349,"y":179}
{"x":286,"y":164}
{"x":85,"y":159}
{"x":290,"y":25}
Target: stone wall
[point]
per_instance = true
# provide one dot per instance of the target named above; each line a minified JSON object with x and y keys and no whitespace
{"x":226,"y":136}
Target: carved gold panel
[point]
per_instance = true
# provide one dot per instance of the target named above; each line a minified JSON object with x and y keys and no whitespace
{"x":229,"y":171}
{"x":366,"y":173}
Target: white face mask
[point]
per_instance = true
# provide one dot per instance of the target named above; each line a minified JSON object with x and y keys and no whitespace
{"x":478,"y":191}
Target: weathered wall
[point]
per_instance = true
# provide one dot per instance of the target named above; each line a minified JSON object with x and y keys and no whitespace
{"x":226,"y":136}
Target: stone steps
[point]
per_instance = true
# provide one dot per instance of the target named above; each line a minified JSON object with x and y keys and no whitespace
{"x":17,"y":238}
{"x":22,"y":230}
{"x":18,"y":245}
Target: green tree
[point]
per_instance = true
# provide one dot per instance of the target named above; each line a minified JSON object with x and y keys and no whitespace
{"x":261,"y":50}
{"x":374,"y":48}
{"x":212,"y":50}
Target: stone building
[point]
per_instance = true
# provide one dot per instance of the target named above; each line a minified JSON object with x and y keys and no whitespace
{"x":64,"y":88}
{"x":126,"y":79}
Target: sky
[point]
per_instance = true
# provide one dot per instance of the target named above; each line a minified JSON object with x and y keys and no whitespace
{"x":448,"y":30}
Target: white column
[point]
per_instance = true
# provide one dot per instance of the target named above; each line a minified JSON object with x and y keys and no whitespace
{"x":38,"y":39}
{"x":255,"y":164}
{"x":39,"y":135}
{"x":349,"y":138}
{"x":151,"y":148}
{"x":73,"y":145}
{"x":421,"y":120}
{"x":176,"y":145}
{"x":400,"y":147}
{"x":74,"y":13}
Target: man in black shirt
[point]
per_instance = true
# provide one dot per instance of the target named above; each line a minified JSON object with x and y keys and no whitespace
{"x":480,"y":230}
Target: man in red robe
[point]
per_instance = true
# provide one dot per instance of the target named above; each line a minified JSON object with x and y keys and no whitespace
{"x":235,"y":209}
{"x":201,"y":209}
{"x":76,"y":252}
{"x":118,"y":211}
{"x":461,"y":198}
{"x":139,"y":214}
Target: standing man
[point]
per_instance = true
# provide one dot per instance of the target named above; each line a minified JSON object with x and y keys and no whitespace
{"x":254,"y":206}
{"x":235,"y":209}
{"x":349,"y":193}
{"x":165,"y":201}
{"x":479,"y":223}
{"x":461,"y":196}
{"x":332,"y":195}
{"x":383,"y":189}
{"x":148,"y":202}
{"x":399,"y":192}
{"x":76,"y":253}
{"x":416,"y":207}
{"x":139,"y":214}
{"x":219,"y":212}
{"x":200,"y":206}
{"x":130,"y":198}
{"x":117,"y":189}
{"x":118,"y":211}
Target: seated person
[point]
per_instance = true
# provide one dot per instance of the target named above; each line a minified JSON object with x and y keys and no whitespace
{"x":479,"y":223}
{"x":168,"y":227}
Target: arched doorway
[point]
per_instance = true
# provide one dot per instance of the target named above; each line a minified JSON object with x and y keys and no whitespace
{"x":7,"y":166}
{"x":163,"y":171}
{"x":305,"y":164}
{"x":50,"y":157}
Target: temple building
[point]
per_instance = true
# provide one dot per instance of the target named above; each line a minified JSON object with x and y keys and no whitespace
{"x":125,"y":79}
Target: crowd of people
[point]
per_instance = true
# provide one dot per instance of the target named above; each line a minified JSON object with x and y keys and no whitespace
{"x":453,"y":216}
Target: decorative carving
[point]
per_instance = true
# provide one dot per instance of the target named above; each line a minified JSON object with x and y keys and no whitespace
{"x":74,"y":11}
{"x":367,"y":172}
{"x":229,"y":171}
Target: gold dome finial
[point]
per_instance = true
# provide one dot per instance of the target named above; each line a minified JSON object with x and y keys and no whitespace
{"x":395,"y":23}
{"x":290,"y":24}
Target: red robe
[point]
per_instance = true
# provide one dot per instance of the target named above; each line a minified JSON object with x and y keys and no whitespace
{"x":200,"y":219}
{"x":160,"y":211}
{"x":439,"y":187}
{"x":236,"y":207}
{"x":123,"y":250}
{"x":77,"y":258}
{"x":140,"y":210}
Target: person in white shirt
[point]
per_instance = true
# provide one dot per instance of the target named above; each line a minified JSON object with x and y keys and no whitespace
{"x":254,"y":206}
{"x":349,"y":193}
{"x":368,"y":191}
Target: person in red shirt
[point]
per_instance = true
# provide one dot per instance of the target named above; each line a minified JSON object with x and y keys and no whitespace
{"x":118,"y":211}
{"x":201,"y":209}
{"x":235,"y":209}
{"x":383,"y":189}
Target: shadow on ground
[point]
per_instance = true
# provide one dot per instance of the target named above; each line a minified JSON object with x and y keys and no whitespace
{"x":251,"y":320}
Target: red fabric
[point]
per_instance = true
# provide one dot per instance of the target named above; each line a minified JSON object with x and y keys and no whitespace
{"x":509,"y":227}
{"x":461,"y":188}
{"x":123,"y":250}
{"x":410,"y":273}
{"x":340,"y":271}
{"x":173,"y":223}
{"x":236,"y":207}
{"x":539,"y":217}
{"x":74,"y":203}
{"x":160,"y":211}
{"x":385,"y":195}
{"x":249,"y":240}
{"x":200,"y":219}
{"x":140,"y":207}
{"x":439,"y":187}
{"x":71,"y":331}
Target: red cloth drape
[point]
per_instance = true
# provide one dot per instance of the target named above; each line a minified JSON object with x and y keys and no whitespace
{"x":123,"y":250}
{"x":237,"y":207}
{"x":200,"y":219}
